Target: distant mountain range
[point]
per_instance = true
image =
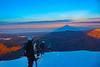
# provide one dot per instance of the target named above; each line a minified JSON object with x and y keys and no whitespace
{"x":62,"y":39}
{"x":30,"y":22}
{"x":97,"y":20}
{"x":70,"y":40}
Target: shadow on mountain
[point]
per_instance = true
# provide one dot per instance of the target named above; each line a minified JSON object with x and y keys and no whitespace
{"x":72,"y":39}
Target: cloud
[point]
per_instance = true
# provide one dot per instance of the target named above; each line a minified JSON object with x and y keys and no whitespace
{"x":30,"y":28}
{"x":34,"y":26}
{"x":96,"y":25}
{"x":22,"y":36}
{"x":5,"y":38}
{"x":48,"y":27}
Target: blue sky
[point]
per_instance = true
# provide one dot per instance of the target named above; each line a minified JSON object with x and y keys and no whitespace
{"x":30,"y":10}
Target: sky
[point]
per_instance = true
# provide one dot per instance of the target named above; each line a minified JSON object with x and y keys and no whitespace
{"x":39,"y":10}
{"x":47,"y":27}
{"x":13,"y":11}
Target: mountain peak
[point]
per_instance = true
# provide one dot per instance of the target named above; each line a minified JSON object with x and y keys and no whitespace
{"x":71,"y":28}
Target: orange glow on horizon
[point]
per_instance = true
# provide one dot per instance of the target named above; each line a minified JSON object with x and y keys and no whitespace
{"x":95,"y":33}
{"x":78,"y":23}
{"x":34,"y":26}
{"x":5,"y":50}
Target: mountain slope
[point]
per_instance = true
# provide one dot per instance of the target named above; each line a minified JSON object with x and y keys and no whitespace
{"x":67,"y":40}
{"x":71,"y":41}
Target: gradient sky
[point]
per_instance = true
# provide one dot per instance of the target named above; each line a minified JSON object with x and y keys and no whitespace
{"x":46,"y":27}
{"x":30,"y":10}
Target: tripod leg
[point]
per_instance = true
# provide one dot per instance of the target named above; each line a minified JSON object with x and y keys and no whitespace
{"x":36,"y":64}
{"x":30,"y":62}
